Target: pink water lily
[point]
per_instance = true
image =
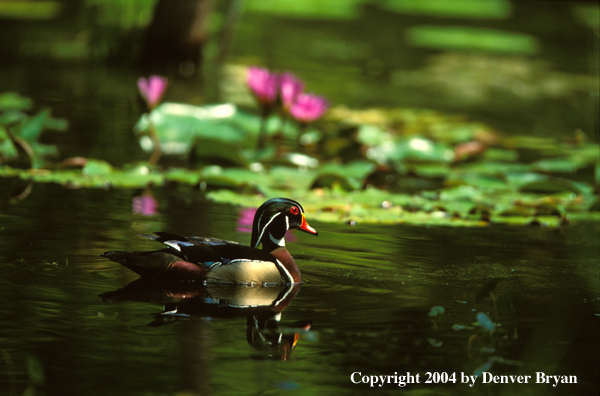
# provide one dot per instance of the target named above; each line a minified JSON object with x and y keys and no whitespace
{"x":245,"y":219}
{"x":308,"y":107}
{"x":145,"y":205}
{"x":152,"y":89}
{"x":289,"y":87}
{"x":264,"y":85}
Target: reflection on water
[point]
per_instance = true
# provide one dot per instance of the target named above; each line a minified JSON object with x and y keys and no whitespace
{"x":262,"y":306}
{"x":368,"y":297}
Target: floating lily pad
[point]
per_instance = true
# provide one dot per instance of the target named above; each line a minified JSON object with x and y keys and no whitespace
{"x":96,"y":167}
{"x":401,"y":169}
{"x":180,"y":126}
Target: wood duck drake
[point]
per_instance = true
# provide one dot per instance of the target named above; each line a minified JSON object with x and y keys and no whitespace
{"x":217,"y":260}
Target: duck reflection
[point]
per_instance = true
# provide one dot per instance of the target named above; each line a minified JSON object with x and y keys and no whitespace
{"x":262,"y":305}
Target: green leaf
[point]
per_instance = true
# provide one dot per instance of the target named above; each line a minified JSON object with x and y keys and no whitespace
{"x":551,"y":185}
{"x":180,"y":126}
{"x":31,"y":129}
{"x":11,"y":117}
{"x":497,"y":9}
{"x":14,"y":101}
{"x":209,"y":151}
{"x":96,"y":167}
{"x":472,"y":38}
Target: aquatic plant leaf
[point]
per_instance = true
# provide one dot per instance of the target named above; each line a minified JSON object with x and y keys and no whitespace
{"x":14,"y":101}
{"x":31,"y":128}
{"x":466,"y":37}
{"x":483,"y":368}
{"x":480,"y":181}
{"x":422,"y":150}
{"x":548,"y":185}
{"x":372,"y":135}
{"x":349,"y":176}
{"x":329,"y":180}
{"x":415,"y":149}
{"x":484,"y":321}
{"x":561,"y":164}
{"x":210,"y":151}
{"x":180,"y":126}
{"x":436,"y":311}
{"x":7,"y":148}
{"x":215,"y":176}
{"x":181,"y":175}
{"x":11,"y":117}
{"x":502,"y":155}
{"x":328,"y":9}
{"x":42,"y":150}
{"x":96,"y":167}
{"x":496,"y":9}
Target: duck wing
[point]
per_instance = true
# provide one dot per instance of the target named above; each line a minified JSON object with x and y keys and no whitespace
{"x":208,"y":251}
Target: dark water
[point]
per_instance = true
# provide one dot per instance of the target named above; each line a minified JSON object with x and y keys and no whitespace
{"x":368,"y":289}
{"x":367,"y":292}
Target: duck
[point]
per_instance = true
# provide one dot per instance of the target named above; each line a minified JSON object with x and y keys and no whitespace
{"x":212,"y":260}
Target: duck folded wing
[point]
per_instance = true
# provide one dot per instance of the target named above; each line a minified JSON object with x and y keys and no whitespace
{"x":160,"y":263}
{"x":209,"y":250}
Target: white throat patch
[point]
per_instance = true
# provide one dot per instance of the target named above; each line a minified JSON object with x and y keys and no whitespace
{"x":278,"y":242}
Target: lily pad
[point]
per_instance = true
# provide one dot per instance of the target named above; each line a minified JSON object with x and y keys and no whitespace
{"x":180,"y":126}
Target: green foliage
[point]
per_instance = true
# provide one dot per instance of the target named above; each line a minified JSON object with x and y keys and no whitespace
{"x":33,"y":10}
{"x":379,"y":173}
{"x":456,"y":8}
{"x":308,"y":8}
{"x":19,"y":132}
{"x":470,"y":38}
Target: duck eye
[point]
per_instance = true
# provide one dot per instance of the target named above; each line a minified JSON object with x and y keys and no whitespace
{"x":294,"y":210}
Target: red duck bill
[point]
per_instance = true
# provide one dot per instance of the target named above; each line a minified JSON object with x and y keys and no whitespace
{"x":307,"y":228}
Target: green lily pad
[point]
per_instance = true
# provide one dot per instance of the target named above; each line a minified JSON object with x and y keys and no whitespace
{"x":180,"y":126}
{"x":210,"y":151}
{"x":495,"y":154}
{"x":550,"y":185}
{"x":329,"y":180}
{"x":184,"y":176}
{"x":96,"y":167}
{"x":349,"y":176}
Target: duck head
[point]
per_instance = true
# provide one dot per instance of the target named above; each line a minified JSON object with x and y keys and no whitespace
{"x":273,"y":219}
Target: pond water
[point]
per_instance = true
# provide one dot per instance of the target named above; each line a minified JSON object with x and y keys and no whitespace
{"x":367,"y":296}
{"x":72,"y":322}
